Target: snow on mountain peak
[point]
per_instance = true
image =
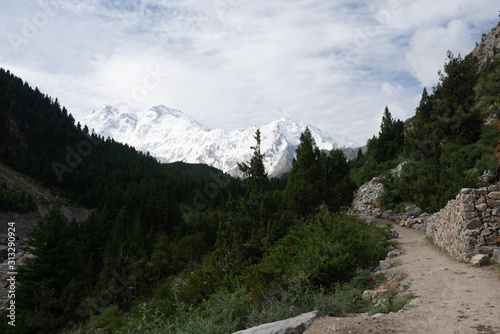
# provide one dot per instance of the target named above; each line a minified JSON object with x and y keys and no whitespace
{"x":160,"y":111}
{"x":171,"y":136}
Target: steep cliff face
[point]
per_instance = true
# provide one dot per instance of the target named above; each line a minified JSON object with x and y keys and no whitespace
{"x":489,"y":45}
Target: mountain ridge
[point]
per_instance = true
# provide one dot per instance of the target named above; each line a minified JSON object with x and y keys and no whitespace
{"x":170,"y":135}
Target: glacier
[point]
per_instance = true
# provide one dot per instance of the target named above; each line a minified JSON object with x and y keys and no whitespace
{"x":170,"y":136}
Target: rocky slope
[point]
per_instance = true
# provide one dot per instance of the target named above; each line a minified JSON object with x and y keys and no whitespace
{"x":25,"y":222}
{"x":489,"y":46}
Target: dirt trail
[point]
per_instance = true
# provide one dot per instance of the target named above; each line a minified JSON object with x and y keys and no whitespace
{"x":453,"y":297}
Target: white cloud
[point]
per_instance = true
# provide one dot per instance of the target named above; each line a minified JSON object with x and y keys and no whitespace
{"x":232,"y":63}
{"x":390,"y":89}
{"x":424,"y":65}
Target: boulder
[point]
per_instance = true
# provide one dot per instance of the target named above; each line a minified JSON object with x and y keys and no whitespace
{"x":473,"y":224}
{"x":468,"y":207}
{"x":384,"y":265}
{"x":493,"y":203}
{"x":415,"y":212}
{"x":495,"y":212}
{"x":468,"y":198}
{"x":392,"y":254}
{"x":496,"y":255}
{"x":487,"y":231}
{"x":480,"y":259}
{"x":482,"y":191}
{"x":494,"y":187}
{"x":493,"y":240}
{"x":295,"y":325}
{"x":472,"y":233}
{"x":481,"y":206}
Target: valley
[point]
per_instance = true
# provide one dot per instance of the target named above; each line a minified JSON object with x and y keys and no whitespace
{"x":168,"y":226}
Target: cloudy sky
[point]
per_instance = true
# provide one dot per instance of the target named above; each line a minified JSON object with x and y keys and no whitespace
{"x":233,"y":63}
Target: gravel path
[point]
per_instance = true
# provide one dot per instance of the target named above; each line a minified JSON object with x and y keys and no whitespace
{"x":452,"y":297}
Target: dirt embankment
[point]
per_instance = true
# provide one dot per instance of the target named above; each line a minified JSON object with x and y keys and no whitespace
{"x":451,"y":296}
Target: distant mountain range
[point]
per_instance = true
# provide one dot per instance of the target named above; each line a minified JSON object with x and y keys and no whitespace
{"x":172,"y":136}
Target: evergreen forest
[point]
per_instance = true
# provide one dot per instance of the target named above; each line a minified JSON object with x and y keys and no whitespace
{"x":175,"y":248}
{"x":182,"y":248}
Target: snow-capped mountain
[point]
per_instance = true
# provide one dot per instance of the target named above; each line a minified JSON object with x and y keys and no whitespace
{"x":171,"y":136}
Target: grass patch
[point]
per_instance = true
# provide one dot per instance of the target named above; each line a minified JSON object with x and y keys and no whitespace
{"x":392,"y":302}
{"x":439,"y":248}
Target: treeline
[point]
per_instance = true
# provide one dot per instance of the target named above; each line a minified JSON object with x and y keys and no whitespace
{"x":172,"y":242}
{"x":446,"y":146}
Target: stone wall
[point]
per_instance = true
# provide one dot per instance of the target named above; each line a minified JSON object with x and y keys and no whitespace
{"x":469,"y":224}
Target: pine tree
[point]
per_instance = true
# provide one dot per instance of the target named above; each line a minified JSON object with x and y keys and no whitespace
{"x":424,"y":109}
{"x":45,"y":277}
{"x":250,"y":225}
{"x":390,"y":140}
{"x":335,"y":184}
{"x":255,"y":173}
{"x":317,"y":178}
{"x":301,"y":194}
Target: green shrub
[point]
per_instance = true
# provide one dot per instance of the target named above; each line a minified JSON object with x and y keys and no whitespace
{"x":144,"y":319}
{"x":347,"y":297}
{"x":392,"y":302}
{"x":328,"y":250}
{"x":110,"y":318}
{"x":224,"y":312}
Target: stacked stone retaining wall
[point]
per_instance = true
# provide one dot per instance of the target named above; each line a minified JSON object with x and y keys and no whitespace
{"x":469,"y":224}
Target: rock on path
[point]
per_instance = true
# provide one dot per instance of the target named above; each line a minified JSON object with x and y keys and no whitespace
{"x":295,"y":325}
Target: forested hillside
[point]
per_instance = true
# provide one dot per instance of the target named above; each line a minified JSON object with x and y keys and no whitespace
{"x":449,"y":143}
{"x":176,"y":246}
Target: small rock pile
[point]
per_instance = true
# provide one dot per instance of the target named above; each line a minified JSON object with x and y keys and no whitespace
{"x":366,"y":201}
{"x":394,"y":282}
{"x":366,"y":198}
{"x":416,"y":221}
